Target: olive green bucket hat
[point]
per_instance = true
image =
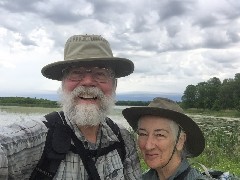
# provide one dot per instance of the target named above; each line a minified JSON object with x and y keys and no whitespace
{"x":169,"y":109}
{"x":88,"y":50}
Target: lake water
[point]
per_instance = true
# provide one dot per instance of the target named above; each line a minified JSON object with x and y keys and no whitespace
{"x":9,"y":115}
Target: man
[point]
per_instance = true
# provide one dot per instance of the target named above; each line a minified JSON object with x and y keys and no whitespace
{"x":80,"y":142}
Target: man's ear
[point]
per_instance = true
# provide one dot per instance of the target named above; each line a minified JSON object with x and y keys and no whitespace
{"x":181,"y":141}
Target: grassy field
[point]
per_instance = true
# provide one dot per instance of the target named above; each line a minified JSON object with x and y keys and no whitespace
{"x":222,"y":133}
{"x":222,"y":150}
{"x":221,"y":113}
{"x":27,"y":110}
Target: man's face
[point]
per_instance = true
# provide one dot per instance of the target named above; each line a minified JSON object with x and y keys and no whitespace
{"x":88,"y":94}
{"x":100,"y":78}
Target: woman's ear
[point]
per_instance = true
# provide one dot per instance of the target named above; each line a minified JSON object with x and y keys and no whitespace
{"x":181,"y":141}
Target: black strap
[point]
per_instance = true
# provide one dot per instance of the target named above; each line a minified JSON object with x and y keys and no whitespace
{"x":100,"y":152}
{"x":87,"y":160}
{"x":50,"y":160}
{"x":53,"y":118}
{"x":120,"y":146}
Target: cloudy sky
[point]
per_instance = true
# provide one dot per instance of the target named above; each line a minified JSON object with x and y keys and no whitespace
{"x":173,"y":43}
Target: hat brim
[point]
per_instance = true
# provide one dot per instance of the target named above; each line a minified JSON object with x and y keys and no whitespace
{"x":121,"y":66}
{"x":195,"y":142}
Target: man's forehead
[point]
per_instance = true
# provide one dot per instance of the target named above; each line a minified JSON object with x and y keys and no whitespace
{"x":71,"y":68}
{"x":89,"y":66}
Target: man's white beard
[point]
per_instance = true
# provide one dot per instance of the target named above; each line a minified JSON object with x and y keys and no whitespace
{"x":86,"y":114}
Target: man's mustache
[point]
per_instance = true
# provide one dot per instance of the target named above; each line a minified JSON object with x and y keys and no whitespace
{"x":88,"y":92}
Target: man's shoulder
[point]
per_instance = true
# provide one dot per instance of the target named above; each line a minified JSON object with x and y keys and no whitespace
{"x":27,"y":128}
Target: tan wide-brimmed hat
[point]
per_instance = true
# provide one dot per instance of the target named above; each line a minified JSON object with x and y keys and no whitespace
{"x":169,"y":109}
{"x":88,"y":50}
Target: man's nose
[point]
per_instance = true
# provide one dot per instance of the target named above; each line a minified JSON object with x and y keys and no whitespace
{"x":88,"y":80}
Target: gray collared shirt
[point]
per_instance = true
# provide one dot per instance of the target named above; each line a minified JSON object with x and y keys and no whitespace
{"x":21,"y":146}
{"x":193,"y":174}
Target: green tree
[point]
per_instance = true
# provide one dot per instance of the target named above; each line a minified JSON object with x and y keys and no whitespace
{"x":207,"y":93}
{"x":236,"y":91}
{"x":189,"y":97}
{"x":213,"y":87}
{"x":201,"y":94}
{"x":225,"y":95}
{"x":213,"y":94}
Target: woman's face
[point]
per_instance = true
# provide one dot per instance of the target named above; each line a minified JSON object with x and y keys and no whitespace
{"x":156,"y":140}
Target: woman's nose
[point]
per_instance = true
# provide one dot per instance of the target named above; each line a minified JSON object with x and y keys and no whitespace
{"x":150,"y":143}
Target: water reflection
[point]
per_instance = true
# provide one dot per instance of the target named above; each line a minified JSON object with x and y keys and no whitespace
{"x":9,"y":115}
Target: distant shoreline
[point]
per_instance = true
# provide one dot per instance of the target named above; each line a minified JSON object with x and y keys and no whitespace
{"x":34,"y":102}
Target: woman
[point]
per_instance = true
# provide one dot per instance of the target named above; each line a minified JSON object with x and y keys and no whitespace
{"x":166,"y":137}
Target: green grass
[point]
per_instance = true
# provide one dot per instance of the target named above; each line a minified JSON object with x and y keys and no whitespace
{"x":222,"y":150}
{"x":220,"y":113}
{"x":27,"y":110}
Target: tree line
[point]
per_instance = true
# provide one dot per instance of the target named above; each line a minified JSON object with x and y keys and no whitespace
{"x":132,"y":103}
{"x":34,"y":102}
{"x":213,"y":94}
{"x":27,"y":101}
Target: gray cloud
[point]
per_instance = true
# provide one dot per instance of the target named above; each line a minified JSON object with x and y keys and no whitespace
{"x":172,"y":41}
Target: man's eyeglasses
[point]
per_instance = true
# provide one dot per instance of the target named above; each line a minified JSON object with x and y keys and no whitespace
{"x":101,"y":75}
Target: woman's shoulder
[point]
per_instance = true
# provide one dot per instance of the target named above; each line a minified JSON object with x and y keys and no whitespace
{"x":195,"y":174}
{"x":150,"y":174}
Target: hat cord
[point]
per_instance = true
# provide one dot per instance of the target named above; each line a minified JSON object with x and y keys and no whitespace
{"x":174,"y":148}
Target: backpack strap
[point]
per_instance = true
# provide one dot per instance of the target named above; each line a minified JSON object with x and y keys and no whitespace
{"x":121,"y":145}
{"x":54,"y":117}
{"x":87,"y":155}
{"x":87,"y":160}
{"x":55,"y":150}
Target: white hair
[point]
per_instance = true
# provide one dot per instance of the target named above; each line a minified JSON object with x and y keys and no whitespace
{"x":175,"y":129}
{"x":86,"y":114}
